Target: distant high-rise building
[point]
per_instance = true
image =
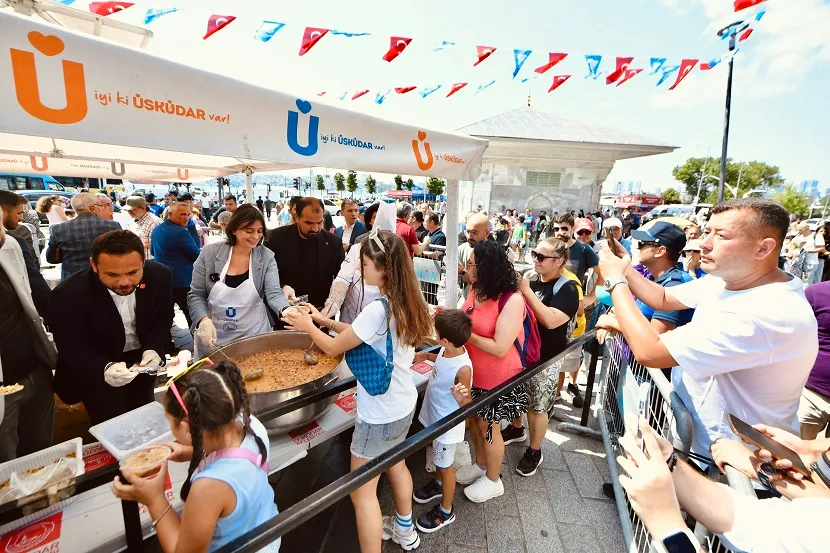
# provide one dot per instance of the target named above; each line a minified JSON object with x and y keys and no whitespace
{"x":809,"y":187}
{"x":658,"y":191}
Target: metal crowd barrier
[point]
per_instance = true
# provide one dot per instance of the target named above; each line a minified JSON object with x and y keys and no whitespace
{"x":667,"y":415}
{"x":429,"y":268}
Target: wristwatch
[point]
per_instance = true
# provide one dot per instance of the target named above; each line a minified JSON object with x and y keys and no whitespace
{"x":682,"y":541}
{"x":611,"y":283}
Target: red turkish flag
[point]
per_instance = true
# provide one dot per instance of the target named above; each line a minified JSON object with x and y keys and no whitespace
{"x":359,"y":93}
{"x":558,"y":81}
{"x":744,"y":4}
{"x":405,"y":89}
{"x":108,"y":8}
{"x":705,"y":67}
{"x":622,"y":66}
{"x":455,"y":88}
{"x":483,"y":53}
{"x":553,"y":60}
{"x":216,"y":23}
{"x":745,"y":35}
{"x":311,"y":36}
{"x":629,"y":74}
{"x":321,"y":93}
{"x":686,"y":67}
{"x":397,"y":45}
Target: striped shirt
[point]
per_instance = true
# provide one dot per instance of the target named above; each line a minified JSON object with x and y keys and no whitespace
{"x":74,"y":239}
{"x":143,"y":227}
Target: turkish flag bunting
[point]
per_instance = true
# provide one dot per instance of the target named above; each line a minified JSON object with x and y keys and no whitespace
{"x":483,"y":53}
{"x":311,"y":36}
{"x":558,"y":81}
{"x":622,"y":66}
{"x":405,"y":89}
{"x":396,"y":46}
{"x":359,"y":93}
{"x":108,"y":8}
{"x":553,"y":60}
{"x":744,"y":4}
{"x":745,"y":35}
{"x":705,"y":66}
{"x":216,"y":23}
{"x":686,"y":67}
{"x":455,"y":88}
{"x":321,"y":93}
{"x":629,"y":74}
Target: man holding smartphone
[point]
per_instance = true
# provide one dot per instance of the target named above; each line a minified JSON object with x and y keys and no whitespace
{"x":753,"y":339}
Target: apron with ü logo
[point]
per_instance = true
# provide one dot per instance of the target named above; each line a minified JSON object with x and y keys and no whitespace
{"x":237,"y":312}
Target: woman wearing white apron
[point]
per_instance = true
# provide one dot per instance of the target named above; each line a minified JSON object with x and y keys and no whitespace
{"x":232,"y":281}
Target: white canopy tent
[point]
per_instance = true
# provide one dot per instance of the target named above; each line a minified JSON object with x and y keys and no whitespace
{"x":75,"y":105}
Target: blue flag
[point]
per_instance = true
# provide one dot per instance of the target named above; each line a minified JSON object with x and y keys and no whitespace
{"x":347,"y":35}
{"x":520,"y":57}
{"x":759,"y":15}
{"x":656,"y":65}
{"x":381,"y":96}
{"x":667,"y":72}
{"x":483,"y":87}
{"x":424,"y":92}
{"x":444,"y":45}
{"x":267,"y":30}
{"x":65,"y":2}
{"x":593,"y":66}
{"x":343,"y":96}
{"x":154,"y":13}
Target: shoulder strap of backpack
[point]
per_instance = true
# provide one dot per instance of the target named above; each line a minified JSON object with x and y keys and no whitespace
{"x":559,"y":284}
{"x":503,"y":300}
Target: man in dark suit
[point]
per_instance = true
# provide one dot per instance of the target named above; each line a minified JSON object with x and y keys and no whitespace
{"x":353,"y":228}
{"x":111,"y":322}
{"x":308,"y":257}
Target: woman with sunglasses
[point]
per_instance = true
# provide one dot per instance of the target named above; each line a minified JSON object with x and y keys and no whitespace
{"x":497,"y":312}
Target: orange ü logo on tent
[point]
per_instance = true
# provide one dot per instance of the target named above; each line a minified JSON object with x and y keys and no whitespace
{"x":416,"y":149}
{"x":28,"y":91}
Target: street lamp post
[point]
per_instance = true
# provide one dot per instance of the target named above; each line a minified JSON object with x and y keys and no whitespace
{"x":733,"y":30}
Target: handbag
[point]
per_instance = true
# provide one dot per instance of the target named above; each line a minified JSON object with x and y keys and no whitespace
{"x":371,"y":370}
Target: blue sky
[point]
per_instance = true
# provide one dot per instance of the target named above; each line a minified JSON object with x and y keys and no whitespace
{"x":780,"y":108}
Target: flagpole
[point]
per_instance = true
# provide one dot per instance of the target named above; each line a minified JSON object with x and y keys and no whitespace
{"x":733,"y":36}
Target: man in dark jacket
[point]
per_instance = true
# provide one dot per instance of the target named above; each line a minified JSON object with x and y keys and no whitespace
{"x":172,"y":246}
{"x":111,"y":322}
{"x":308,"y":257}
{"x":353,"y":228}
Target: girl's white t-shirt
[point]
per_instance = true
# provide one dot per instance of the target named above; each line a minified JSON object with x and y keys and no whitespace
{"x":399,"y":400}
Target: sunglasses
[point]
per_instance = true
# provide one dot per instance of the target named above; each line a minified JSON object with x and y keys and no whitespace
{"x":541,"y":257}
{"x":648,"y":245}
{"x":583,"y":233}
{"x":557,"y":229}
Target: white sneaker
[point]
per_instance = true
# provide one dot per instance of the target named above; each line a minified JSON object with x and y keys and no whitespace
{"x":408,"y":542}
{"x":483,"y":489}
{"x":469,"y":474}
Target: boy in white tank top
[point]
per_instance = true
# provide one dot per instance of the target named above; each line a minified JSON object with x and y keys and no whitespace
{"x":448,"y":389}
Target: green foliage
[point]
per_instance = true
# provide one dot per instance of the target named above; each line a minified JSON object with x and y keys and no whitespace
{"x":371,"y":185}
{"x":753,"y":174}
{"x":671,"y":196}
{"x":398,"y":182}
{"x":435,"y":186}
{"x":351,"y":182}
{"x":795,"y":202}
{"x":409,"y":184}
{"x":339,"y":182}
{"x":321,"y":184}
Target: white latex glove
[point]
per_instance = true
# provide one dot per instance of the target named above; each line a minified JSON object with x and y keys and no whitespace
{"x":337,"y":295}
{"x":206,"y":333}
{"x":150,"y":362}
{"x":289,"y":292}
{"x":117,"y":375}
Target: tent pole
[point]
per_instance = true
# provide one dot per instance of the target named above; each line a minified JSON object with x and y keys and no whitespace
{"x":451,"y":227}
{"x":249,"y":185}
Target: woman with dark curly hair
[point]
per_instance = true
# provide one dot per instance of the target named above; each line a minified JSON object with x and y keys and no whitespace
{"x":497,"y":312}
{"x":52,"y":207}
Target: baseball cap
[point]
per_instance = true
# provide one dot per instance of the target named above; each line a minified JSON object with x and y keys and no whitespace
{"x":665,"y":234}
{"x":612,"y":222}
{"x":583,"y":224}
{"x":186,"y":197}
{"x":692,"y":245}
{"x":135,"y":202}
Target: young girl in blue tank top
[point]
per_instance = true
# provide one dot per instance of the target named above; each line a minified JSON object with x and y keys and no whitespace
{"x":226,"y":493}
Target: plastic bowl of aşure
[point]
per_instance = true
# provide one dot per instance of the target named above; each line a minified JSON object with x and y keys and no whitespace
{"x":147,"y":461}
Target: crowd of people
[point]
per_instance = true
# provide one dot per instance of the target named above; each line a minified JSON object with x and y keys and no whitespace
{"x":694,"y":302}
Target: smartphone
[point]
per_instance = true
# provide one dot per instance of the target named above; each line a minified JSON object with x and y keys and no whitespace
{"x":612,"y":242}
{"x":762,"y":441}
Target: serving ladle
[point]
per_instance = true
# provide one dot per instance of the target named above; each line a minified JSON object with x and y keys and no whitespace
{"x":310,"y":358}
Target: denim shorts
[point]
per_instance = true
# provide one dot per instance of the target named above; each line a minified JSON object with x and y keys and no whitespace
{"x":370,"y":440}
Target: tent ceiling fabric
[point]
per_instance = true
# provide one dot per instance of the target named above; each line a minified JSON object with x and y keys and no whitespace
{"x":79,"y":104}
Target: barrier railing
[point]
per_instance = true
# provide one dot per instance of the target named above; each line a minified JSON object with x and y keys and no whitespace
{"x":666,"y":414}
{"x":429,"y":268}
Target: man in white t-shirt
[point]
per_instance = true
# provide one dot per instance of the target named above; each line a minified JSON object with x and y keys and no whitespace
{"x":812,"y":243}
{"x":753,"y":339}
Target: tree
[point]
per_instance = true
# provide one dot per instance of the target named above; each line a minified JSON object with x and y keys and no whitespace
{"x":794,"y":202}
{"x":351,"y":182}
{"x":752,"y":174}
{"x":371,"y":185}
{"x":671,"y":196}
{"x":339,"y":182}
{"x":435,"y":186}
{"x":321,"y":184}
{"x":409,"y":184}
{"x":398,"y":182}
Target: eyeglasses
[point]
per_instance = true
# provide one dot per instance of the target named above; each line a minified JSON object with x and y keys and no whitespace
{"x":469,"y":310}
{"x":584,"y":233}
{"x":541,"y":257}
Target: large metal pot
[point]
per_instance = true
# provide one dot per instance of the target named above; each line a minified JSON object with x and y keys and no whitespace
{"x":280,"y":340}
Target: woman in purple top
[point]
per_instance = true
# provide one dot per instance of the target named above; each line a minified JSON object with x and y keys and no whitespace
{"x":814,"y":410}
